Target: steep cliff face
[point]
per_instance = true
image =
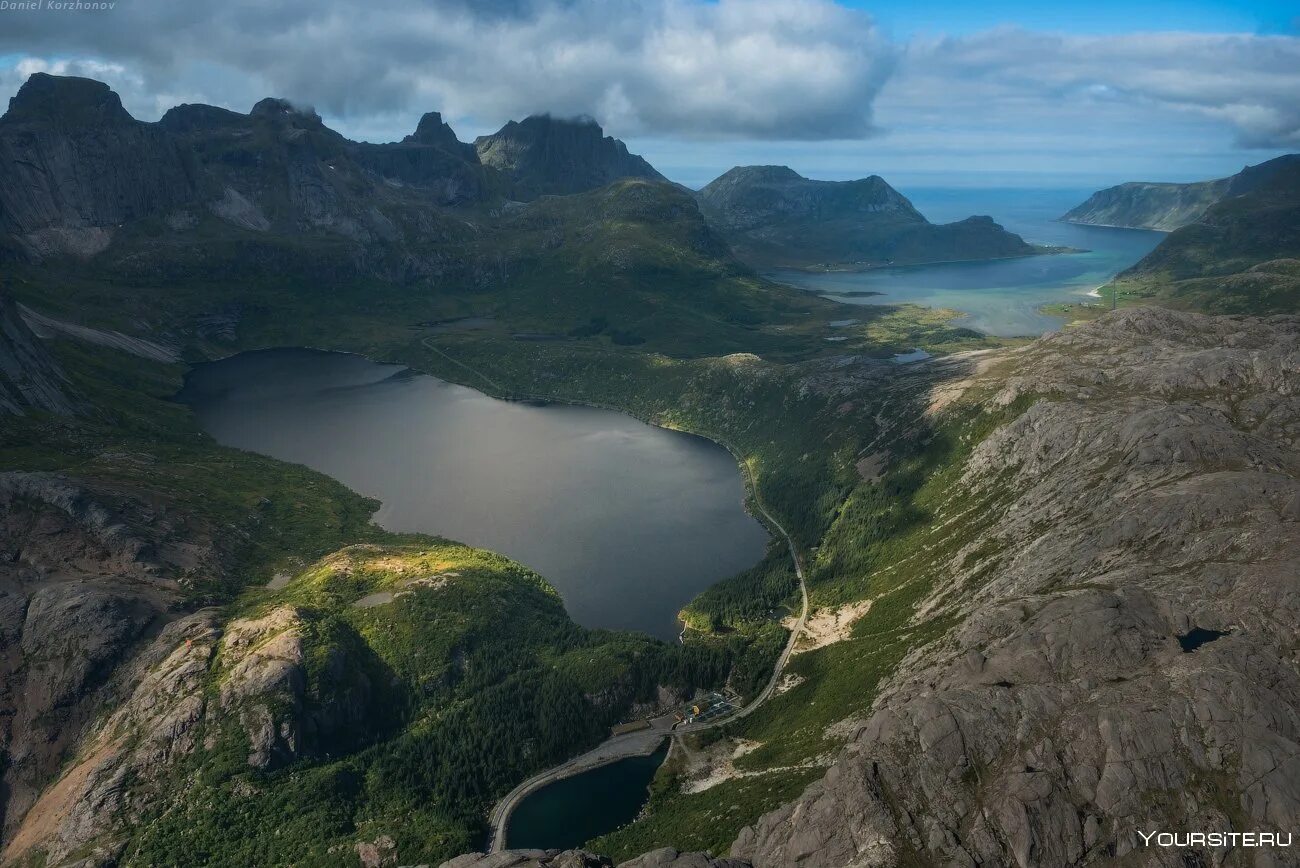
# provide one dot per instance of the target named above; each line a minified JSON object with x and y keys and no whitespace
{"x":542,"y":155}
{"x":216,"y":195}
{"x":74,"y":165}
{"x":774,"y":216}
{"x":85,"y":575}
{"x":1145,"y":205}
{"x":1125,"y":657}
{"x":432,"y":158}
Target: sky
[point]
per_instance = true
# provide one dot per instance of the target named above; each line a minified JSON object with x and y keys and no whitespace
{"x":1011,"y":93}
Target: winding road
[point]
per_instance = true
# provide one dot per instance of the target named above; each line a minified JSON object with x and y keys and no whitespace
{"x":645,"y":741}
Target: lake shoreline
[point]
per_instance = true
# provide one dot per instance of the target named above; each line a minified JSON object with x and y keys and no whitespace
{"x":491,"y":468}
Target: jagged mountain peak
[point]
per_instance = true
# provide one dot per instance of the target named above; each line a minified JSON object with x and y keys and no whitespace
{"x":432,"y":130}
{"x":544,"y":155}
{"x":66,"y":101}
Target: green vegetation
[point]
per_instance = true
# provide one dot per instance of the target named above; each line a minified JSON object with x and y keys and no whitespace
{"x":425,"y":708}
{"x":261,"y":515}
{"x":1241,"y":256}
{"x":434,"y":701}
{"x":474,"y":685}
{"x":889,"y":542}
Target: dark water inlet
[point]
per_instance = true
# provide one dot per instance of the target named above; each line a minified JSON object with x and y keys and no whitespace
{"x":574,"y":810}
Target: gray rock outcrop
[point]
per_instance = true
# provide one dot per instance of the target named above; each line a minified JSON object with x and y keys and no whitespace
{"x":1125,"y":659}
{"x":85,"y":576}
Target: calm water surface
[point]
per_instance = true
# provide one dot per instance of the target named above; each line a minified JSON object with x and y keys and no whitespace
{"x":999,"y":297}
{"x":628,"y":521}
{"x":574,"y":810}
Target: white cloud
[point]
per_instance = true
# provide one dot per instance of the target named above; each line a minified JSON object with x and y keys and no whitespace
{"x":1251,"y":83}
{"x":735,"y":68}
{"x":762,"y":71}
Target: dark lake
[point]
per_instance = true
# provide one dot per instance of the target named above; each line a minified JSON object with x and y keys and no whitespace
{"x":574,"y":810}
{"x":627,"y":520}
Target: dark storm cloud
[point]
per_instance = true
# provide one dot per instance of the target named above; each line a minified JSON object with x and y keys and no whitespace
{"x":746,"y":68}
{"x":739,"y":69}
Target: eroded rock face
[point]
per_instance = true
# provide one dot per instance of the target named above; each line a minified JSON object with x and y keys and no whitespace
{"x":1156,"y":495}
{"x":85,"y":577}
{"x":264,"y":676}
{"x":74,"y":159}
{"x":154,"y":726}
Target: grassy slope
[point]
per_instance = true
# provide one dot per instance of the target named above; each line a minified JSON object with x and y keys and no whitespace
{"x":887,"y":543}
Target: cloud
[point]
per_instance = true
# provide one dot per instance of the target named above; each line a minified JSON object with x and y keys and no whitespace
{"x":755,"y":69}
{"x":1250,"y":83}
{"x":730,"y":70}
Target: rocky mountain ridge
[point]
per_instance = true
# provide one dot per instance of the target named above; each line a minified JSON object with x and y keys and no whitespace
{"x":773,"y":216}
{"x":1167,"y":206}
{"x":76,"y":169}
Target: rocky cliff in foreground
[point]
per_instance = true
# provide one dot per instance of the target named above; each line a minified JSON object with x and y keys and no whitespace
{"x":1123,"y":656}
{"x":774,"y":216}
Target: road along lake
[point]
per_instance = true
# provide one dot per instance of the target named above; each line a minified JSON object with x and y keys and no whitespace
{"x":576,"y":809}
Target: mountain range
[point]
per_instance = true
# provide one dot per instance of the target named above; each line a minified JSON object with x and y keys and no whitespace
{"x":80,"y":175}
{"x":999,"y":667}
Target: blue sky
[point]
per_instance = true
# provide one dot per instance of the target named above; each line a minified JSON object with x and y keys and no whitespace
{"x":1096,"y":17}
{"x":954,"y":93}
